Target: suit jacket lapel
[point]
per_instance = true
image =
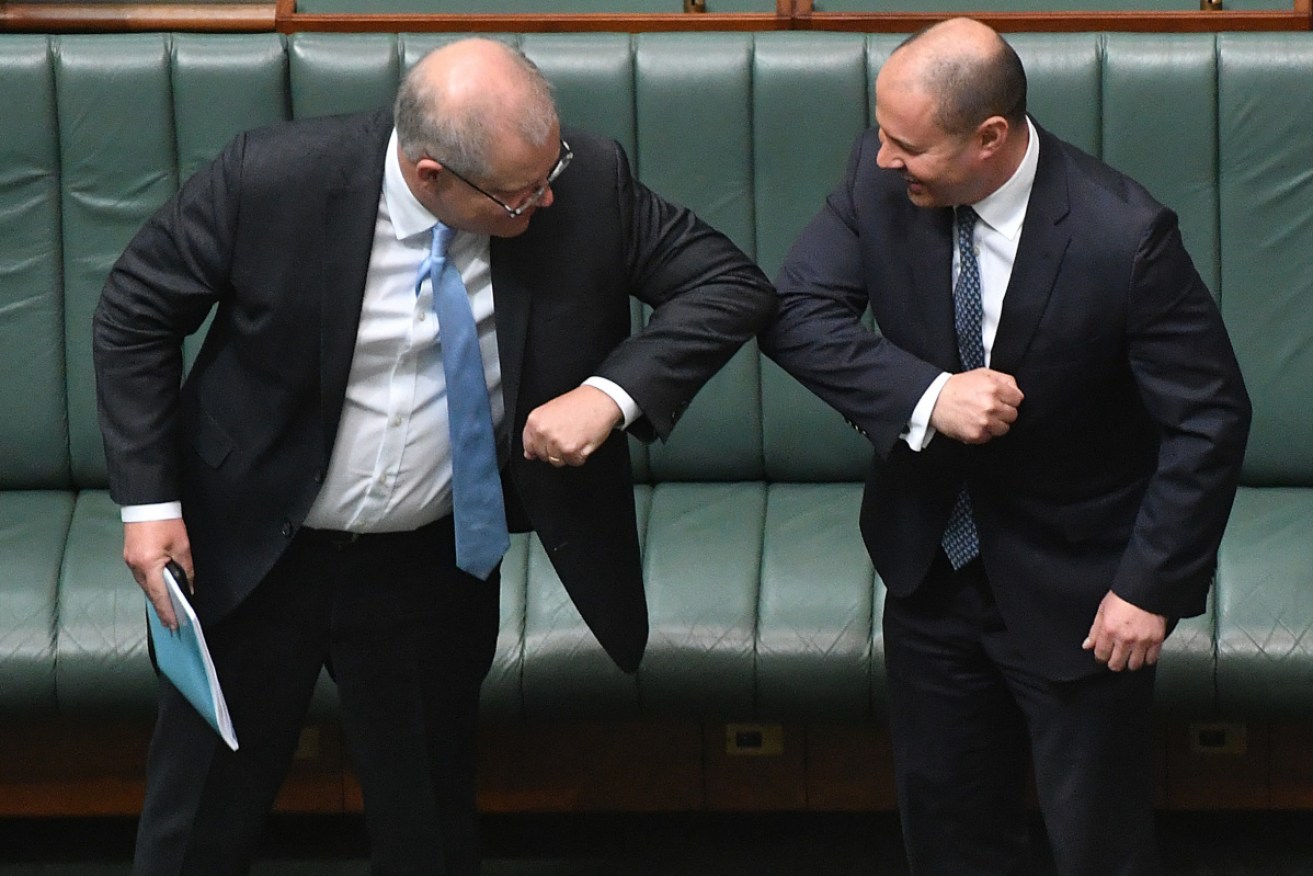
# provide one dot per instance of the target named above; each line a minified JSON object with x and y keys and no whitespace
{"x":1044,"y":241}
{"x":350,"y":215}
{"x":511,"y":284}
{"x":930,"y":250}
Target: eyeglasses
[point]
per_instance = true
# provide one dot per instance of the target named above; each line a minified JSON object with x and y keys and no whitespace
{"x":530,"y":200}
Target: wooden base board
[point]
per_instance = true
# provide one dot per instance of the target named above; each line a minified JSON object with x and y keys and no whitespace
{"x":97,"y":768}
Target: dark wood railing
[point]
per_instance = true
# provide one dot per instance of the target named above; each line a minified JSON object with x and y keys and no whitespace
{"x":282,"y":16}
{"x":125,"y":17}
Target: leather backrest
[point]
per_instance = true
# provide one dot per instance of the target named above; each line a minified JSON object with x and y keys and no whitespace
{"x":750,"y":130}
{"x":33,"y":430}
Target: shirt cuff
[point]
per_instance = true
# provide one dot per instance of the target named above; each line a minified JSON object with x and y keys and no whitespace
{"x":628,"y":407}
{"x":146,"y":513}
{"x":919,"y":431}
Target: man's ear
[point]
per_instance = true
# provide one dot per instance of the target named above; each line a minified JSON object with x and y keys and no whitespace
{"x":992,"y":134}
{"x":428,"y":170}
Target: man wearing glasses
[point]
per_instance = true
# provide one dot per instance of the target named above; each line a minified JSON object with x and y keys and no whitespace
{"x":324,"y":476}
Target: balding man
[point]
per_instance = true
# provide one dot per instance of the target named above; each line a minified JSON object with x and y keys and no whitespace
{"x":1058,"y":423}
{"x":403,"y":309}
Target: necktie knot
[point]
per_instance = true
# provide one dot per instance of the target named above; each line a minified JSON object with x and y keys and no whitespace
{"x":436,"y":260}
{"x":442,"y":236}
{"x":966,"y":223}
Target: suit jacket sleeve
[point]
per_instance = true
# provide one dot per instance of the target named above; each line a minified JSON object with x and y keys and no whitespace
{"x":707,"y":300}
{"x":819,"y":336}
{"x":1191,"y":386}
{"x":159,"y":291}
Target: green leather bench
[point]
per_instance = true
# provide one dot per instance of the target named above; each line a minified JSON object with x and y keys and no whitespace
{"x":763,"y":604}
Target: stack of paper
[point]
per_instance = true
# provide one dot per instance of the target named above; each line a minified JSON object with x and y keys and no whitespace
{"x":183,"y":658}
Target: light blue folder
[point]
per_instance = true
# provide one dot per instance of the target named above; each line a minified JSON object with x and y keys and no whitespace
{"x":183,"y":658}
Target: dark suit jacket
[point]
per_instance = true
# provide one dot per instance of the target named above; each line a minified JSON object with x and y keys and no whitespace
{"x":1121,"y":468}
{"x":278,"y":231}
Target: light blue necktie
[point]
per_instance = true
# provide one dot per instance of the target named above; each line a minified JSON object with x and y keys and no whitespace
{"x":479,"y":508}
{"x":961,"y":541}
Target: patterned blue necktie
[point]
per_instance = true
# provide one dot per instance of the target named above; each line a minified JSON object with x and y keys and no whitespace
{"x":961,"y":542}
{"x":479,"y":508}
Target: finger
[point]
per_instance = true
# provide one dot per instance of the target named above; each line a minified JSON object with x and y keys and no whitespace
{"x":1117,"y":659}
{"x":158,"y":595}
{"x":579,"y":457}
{"x":1154,"y":652}
{"x":184,"y":559}
{"x":1007,"y":390}
{"x":1135,"y":659}
{"x":1104,"y":646}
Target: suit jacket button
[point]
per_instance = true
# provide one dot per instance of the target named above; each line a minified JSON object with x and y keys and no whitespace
{"x":319,"y":476}
{"x":288,"y":529}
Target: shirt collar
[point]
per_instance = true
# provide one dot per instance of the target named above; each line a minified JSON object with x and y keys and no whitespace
{"x":1004,"y":209}
{"x":409,"y":216}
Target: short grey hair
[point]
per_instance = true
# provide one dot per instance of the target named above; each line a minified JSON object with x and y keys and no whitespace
{"x":462,"y":135}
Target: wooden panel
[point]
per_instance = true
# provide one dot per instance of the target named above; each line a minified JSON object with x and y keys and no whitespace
{"x":98,"y":767}
{"x":1231,"y":774}
{"x":850,"y":768}
{"x":789,"y":15}
{"x":57,"y":767}
{"x":1292,"y":766}
{"x":632,"y":767}
{"x":92,"y":768}
{"x":772,"y":777}
{"x":128,"y":17}
{"x":1066,"y":22}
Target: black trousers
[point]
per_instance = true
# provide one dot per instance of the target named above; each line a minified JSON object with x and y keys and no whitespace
{"x":408,"y":638}
{"x":968,"y":719}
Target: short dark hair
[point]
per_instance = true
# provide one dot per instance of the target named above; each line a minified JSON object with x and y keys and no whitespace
{"x":973,"y":88}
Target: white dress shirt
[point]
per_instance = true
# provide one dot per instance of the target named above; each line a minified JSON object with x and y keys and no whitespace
{"x":995,"y":240}
{"x":390,"y":469}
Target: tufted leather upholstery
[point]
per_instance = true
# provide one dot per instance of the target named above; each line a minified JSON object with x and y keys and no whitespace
{"x":763,"y":602}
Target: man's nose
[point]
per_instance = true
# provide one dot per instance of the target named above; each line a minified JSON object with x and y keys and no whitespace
{"x":887,"y":158}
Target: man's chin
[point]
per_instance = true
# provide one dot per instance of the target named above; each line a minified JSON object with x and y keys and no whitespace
{"x":509,"y":227}
{"x":919,"y":196}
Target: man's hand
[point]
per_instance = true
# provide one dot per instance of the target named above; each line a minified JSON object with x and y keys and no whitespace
{"x":567,"y":429}
{"x":976,"y":406}
{"x":147,"y":546}
{"x":1124,"y":636}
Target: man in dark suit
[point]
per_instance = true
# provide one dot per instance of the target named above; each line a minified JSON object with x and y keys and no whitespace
{"x":1058,"y":422}
{"x":310,"y":461}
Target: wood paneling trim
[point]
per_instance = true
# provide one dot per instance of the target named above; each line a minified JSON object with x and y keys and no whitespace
{"x":136,"y":17}
{"x":1185,"y":21}
{"x":789,"y":15}
{"x":518,"y":23}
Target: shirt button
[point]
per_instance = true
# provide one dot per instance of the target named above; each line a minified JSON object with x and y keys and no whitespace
{"x":396,"y":421}
{"x":423,"y":315}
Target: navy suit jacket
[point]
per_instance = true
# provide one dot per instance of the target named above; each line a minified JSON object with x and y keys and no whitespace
{"x":277,"y":232}
{"x":1121,"y":468}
